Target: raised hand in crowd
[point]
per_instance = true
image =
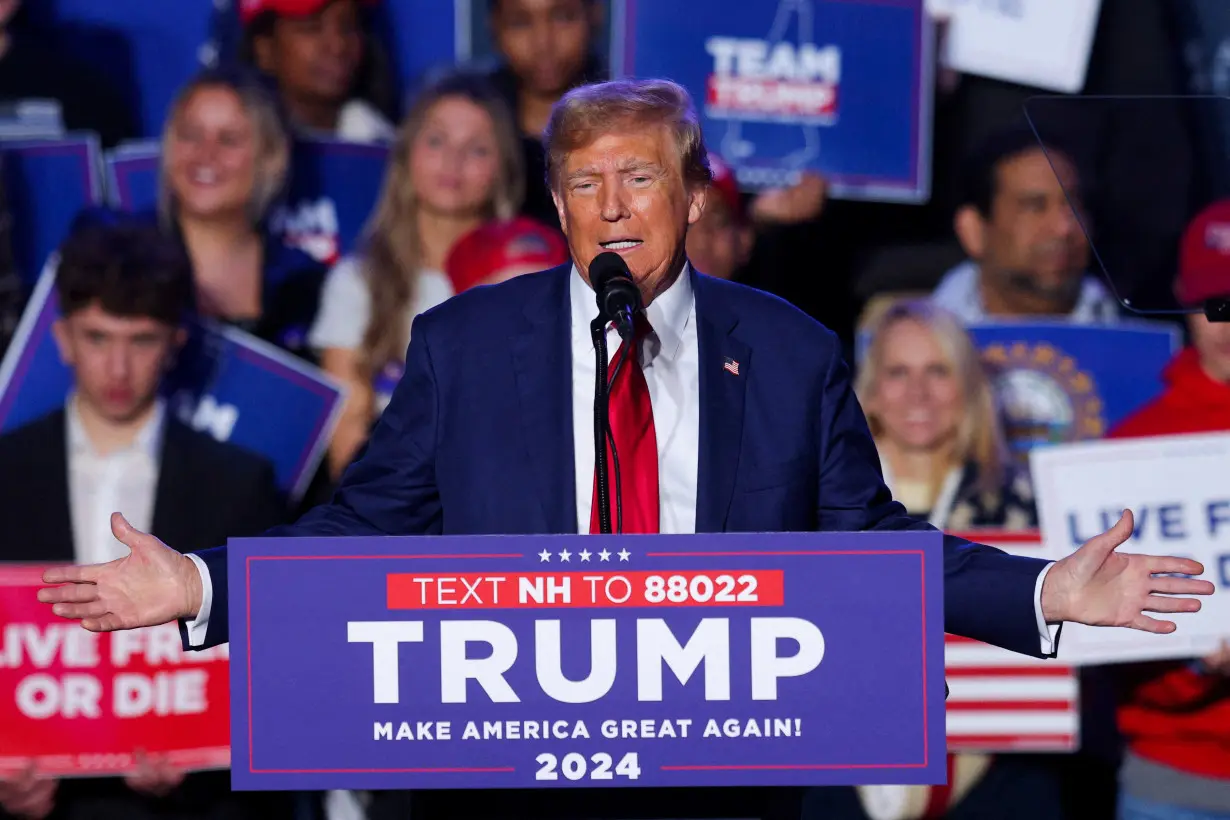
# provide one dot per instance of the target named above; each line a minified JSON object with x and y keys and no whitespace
{"x":27,"y":794}
{"x":1218,"y":662}
{"x":800,"y":202}
{"x":154,"y":775}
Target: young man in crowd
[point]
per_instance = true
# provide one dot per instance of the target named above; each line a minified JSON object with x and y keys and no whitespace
{"x":1019,"y":225}
{"x":1175,"y":716}
{"x":124,"y":291}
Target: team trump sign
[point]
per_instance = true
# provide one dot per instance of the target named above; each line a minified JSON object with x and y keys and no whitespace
{"x":565,"y":661}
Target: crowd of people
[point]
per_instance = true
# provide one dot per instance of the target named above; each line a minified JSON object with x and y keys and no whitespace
{"x":464,"y":203}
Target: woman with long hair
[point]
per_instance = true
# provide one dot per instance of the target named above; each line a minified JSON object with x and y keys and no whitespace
{"x":225,"y":159}
{"x":933,"y":415}
{"x":455,"y":164}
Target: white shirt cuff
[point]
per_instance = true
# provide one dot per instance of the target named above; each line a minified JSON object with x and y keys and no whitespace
{"x":198,"y":626}
{"x":1049,"y":633}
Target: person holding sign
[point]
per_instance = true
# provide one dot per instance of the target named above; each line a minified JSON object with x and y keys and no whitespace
{"x":124,"y":291}
{"x":1175,"y":715}
{"x":736,"y":414}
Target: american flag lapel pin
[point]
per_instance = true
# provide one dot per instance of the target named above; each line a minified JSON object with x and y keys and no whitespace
{"x":731,"y":366}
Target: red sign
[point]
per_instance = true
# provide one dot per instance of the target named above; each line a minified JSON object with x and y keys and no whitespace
{"x":83,"y":703}
{"x":534,"y":590}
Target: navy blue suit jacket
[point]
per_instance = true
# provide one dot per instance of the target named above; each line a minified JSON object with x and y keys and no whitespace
{"x":477,"y":439}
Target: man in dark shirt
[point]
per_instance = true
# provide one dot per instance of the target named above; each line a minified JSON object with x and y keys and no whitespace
{"x":34,"y":67}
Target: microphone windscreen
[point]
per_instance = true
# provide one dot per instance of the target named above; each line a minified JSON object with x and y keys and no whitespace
{"x":606,"y":266}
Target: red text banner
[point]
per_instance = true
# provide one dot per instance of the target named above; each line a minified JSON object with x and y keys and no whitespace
{"x":80,"y":703}
{"x":534,"y":590}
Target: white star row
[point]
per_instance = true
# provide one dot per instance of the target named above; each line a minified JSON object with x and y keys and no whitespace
{"x":566,"y":557}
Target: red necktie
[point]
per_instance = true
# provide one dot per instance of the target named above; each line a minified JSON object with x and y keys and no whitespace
{"x":636,"y":444}
{"x":939,"y":796}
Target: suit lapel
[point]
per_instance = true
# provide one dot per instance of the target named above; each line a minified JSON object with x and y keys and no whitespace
{"x":172,"y":520}
{"x":542,"y":364}
{"x":721,"y":404}
{"x":59,"y":522}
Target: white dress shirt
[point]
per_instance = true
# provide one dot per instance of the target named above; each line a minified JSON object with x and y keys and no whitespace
{"x":960,"y":292}
{"x":123,"y":480}
{"x":670,"y":358}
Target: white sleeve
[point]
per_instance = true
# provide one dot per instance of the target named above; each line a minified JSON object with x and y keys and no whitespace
{"x":345,"y":308}
{"x":200,"y":625}
{"x":1049,"y":633}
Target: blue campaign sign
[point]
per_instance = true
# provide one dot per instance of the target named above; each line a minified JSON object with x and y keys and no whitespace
{"x":132,"y":176}
{"x":225,"y":382}
{"x":842,"y":87}
{"x":464,"y":662}
{"x":48,"y":182}
{"x":1060,"y":382}
{"x":333,"y":187}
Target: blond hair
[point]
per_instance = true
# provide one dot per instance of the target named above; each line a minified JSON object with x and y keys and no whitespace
{"x":392,"y":248}
{"x":980,"y":436}
{"x":273,"y":140}
{"x":589,"y":111}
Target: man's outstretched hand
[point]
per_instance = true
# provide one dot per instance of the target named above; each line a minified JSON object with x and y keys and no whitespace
{"x":151,"y":585}
{"x":1098,"y":586}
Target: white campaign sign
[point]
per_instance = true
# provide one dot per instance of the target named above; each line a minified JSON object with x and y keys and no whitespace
{"x":1039,"y":43}
{"x":1178,"y":489}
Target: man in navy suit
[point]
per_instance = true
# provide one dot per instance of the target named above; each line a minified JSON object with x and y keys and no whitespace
{"x":735,"y":414}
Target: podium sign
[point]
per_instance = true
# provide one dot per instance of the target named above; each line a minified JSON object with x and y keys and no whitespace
{"x":472,"y":662}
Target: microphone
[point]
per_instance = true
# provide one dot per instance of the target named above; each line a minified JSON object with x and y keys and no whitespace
{"x":619,"y":299}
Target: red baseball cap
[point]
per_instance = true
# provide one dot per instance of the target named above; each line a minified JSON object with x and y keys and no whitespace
{"x":1204,"y":256}
{"x":249,"y":10}
{"x":519,"y":242}
{"x":727,"y":188}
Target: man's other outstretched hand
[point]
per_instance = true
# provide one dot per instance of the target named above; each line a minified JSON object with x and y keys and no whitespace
{"x":1098,"y":586}
{"x":151,"y":585}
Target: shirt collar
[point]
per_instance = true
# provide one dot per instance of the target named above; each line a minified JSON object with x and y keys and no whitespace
{"x":961,"y":292}
{"x":668,"y":314}
{"x":148,"y":439}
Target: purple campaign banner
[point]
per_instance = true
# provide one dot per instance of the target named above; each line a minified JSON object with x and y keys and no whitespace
{"x":225,"y":382}
{"x":840,"y":87}
{"x":132,"y":176}
{"x":333,"y":188}
{"x":48,"y":182}
{"x":475,"y":662}
{"x":1058,"y":382}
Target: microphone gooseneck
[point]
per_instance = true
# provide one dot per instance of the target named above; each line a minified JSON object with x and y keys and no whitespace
{"x":619,"y":299}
